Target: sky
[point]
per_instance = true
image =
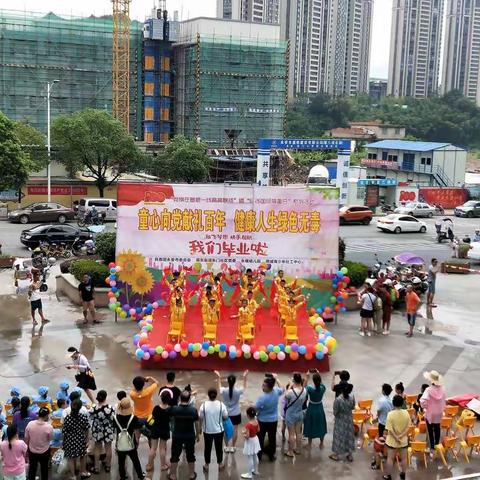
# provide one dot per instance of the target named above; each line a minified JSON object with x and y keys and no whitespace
{"x":194,"y":8}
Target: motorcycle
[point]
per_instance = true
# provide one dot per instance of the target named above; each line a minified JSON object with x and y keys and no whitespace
{"x":81,"y":247}
{"x":387,"y":209}
{"x":444,"y":230}
{"x":88,"y":219}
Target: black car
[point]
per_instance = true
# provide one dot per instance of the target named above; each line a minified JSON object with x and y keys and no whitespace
{"x":52,"y":234}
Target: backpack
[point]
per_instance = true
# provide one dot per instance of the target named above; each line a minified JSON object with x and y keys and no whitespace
{"x":378,"y":304}
{"x":124,"y":439}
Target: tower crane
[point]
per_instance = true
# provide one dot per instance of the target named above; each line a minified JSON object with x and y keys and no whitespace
{"x":121,"y":61}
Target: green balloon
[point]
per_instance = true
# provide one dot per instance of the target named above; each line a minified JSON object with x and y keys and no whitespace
{"x":333,"y":299}
{"x":344,"y":270}
{"x":288,"y":349}
{"x":217,"y":347}
{"x":276,"y":348}
{"x":211,"y":349}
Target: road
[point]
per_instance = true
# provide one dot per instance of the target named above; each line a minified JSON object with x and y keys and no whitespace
{"x":364,"y":241}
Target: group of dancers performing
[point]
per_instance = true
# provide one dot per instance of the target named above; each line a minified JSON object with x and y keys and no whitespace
{"x":249,"y":294}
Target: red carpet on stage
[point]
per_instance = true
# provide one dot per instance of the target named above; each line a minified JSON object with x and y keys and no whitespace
{"x":267,"y":331}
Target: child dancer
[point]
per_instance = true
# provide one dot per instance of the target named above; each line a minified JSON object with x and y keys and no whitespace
{"x":252,"y":444}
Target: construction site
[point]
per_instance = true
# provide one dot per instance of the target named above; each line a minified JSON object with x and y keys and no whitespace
{"x":76,"y":53}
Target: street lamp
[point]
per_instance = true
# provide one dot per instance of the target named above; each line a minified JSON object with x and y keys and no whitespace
{"x":49,"y":181}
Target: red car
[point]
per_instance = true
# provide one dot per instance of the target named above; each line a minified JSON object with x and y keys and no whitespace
{"x":355,"y":214}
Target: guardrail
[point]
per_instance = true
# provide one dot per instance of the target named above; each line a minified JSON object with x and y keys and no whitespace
{"x":473,"y":476}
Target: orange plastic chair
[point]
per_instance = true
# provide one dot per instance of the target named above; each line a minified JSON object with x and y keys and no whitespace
{"x":451,"y":410}
{"x":422,"y":427}
{"x":246,"y":334}
{"x":369,"y":436}
{"x":415,"y":448}
{"x":447,"y":445}
{"x":412,"y":413}
{"x":175,"y":331}
{"x":359,"y":418}
{"x":467,"y":421}
{"x":291,"y":334}
{"x":446,"y":424}
{"x":210,"y":333}
{"x":471,"y":442}
{"x":9,"y":419}
{"x":412,"y":433}
{"x":57,"y":422}
{"x":410,"y":399}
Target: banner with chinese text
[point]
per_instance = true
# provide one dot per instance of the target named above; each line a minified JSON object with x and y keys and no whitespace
{"x":291,"y":228}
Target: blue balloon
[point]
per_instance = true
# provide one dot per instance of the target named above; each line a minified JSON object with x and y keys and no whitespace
{"x":302,"y":349}
{"x":328,"y":334}
{"x":319,"y":355}
{"x":138,"y":310}
{"x":113,"y":277}
{"x":319,"y":310}
{"x":113,"y":271}
{"x":270,"y":347}
{"x":139,"y":353}
{"x":232,"y":354}
{"x":343,"y":309}
{"x":281,"y":346}
{"x":340,"y":274}
{"x":114,"y":289}
{"x":340,"y":299}
{"x":205,"y":345}
{"x":150,"y":306}
{"x":136,"y":337}
{"x":223,"y":347}
{"x":190,"y":347}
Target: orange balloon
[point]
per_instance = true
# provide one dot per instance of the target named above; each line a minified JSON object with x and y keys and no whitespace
{"x":239,"y":353}
{"x":272,"y":356}
{"x":308,"y":356}
{"x":262,"y":348}
{"x":293,"y":355}
{"x":195,"y":354}
{"x":312,"y":311}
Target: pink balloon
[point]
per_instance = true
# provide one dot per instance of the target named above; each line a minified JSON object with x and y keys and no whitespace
{"x":146,"y":356}
{"x":177,"y":347}
{"x":281,"y":355}
{"x":164,"y":354}
{"x":203,"y":353}
{"x":256,"y":355}
{"x":113,"y":283}
{"x":155,"y":305}
{"x":325,"y":350}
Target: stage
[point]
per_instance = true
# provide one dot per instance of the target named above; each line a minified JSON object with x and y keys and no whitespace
{"x":267,"y":352}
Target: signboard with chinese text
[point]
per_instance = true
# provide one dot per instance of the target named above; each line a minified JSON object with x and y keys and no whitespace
{"x":56,"y":190}
{"x":445,"y":197}
{"x":291,"y":228}
{"x":406,"y":194}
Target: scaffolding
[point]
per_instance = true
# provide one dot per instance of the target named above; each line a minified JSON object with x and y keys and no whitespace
{"x":37,"y":48}
{"x":235,"y":84}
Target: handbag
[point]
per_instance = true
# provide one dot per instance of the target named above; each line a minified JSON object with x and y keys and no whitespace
{"x":228,"y":428}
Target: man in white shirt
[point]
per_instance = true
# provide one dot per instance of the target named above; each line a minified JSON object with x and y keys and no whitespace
{"x":36,"y":300}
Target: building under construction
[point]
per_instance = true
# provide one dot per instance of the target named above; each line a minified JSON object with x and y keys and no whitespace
{"x":231,"y":81}
{"x":37,"y":48}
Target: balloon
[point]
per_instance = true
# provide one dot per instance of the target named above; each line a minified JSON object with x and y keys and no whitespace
{"x":232,"y":348}
{"x":168,"y":347}
{"x":327,"y":310}
{"x":155,"y":305}
{"x":281,"y":346}
{"x":118,"y":268}
{"x":346,"y":280}
{"x":148,"y":327}
{"x":325,"y":350}
{"x":172,"y":354}
{"x":211,"y":349}
{"x":159,"y":350}
{"x":138,"y":309}
{"x":203,"y":353}
{"x":114,"y":289}
{"x":269,"y":347}
{"x":293,"y":355}
{"x":269,"y":266}
{"x":217,"y":347}
{"x":197,"y":346}
{"x":205,"y":345}
{"x":272,"y":356}
{"x":333,"y":299}
{"x":151,"y":351}
{"x":195,"y":354}
{"x":184,"y":353}
{"x":302,"y":349}
{"x":340,"y":274}
{"x":239,"y":353}
{"x":319,"y":310}
{"x":276,"y":348}
{"x":339,"y":298}
{"x":111,"y":295}
{"x":190,"y":347}
{"x":294,"y":347}
{"x":262,"y":348}
{"x":164,"y":354}
{"x":343,"y":309}
{"x":112,"y":307}
{"x":223,"y":347}
{"x":145,"y":347}
{"x":113,"y":271}
{"x":177,"y":348}
{"x":139,"y":353}
{"x":197,"y":266}
{"x":113,"y":284}
{"x":184,"y":344}
{"x":245,"y":348}
{"x":222,"y":354}
{"x":107,"y":281}
{"x":319,"y":355}
{"x":223,"y":267}
{"x":157,"y":358}
{"x":344,"y":270}
{"x":247,"y":355}
{"x":281,"y":355}
{"x":232,"y":354}
{"x":308,"y":356}
{"x":256,"y":355}
{"x":288,"y":348}
{"x":264,"y":358}
{"x":146,"y":356}
{"x":132,"y":311}
{"x":111,"y":265}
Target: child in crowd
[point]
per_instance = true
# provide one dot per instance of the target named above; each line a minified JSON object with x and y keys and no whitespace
{"x":42,"y":398}
{"x":3,"y":418}
{"x":380,"y":450}
{"x":14,"y":393}
{"x":418,"y":408}
{"x":13,"y":452}
{"x":56,"y":441}
{"x":61,"y":405}
{"x":120,"y":396}
{"x":15,"y":404}
{"x":63,"y":394}
{"x":400,"y":390}
{"x":252,"y":444}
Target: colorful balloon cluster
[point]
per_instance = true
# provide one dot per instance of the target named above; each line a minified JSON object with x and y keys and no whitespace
{"x":340,"y":282}
{"x":126,"y":310}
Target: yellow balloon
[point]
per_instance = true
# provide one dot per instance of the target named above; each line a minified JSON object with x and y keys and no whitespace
{"x":184,"y":353}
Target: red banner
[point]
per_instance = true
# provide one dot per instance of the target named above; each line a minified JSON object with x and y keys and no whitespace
{"x":56,"y":190}
{"x":445,"y":197}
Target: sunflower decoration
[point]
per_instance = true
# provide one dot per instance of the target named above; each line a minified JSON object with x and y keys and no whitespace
{"x":132,"y":263}
{"x":142,"y":282}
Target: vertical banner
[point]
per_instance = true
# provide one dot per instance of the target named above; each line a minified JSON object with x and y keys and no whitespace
{"x":343,"y":167}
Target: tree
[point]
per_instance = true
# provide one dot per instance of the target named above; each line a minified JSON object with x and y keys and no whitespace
{"x":94,"y":143}
{"x":33,"y":143}
{"x":182,"y":161}
{"x":15,"y":164}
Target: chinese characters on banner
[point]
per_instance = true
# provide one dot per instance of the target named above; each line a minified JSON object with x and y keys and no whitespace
{"x":293,"y":228}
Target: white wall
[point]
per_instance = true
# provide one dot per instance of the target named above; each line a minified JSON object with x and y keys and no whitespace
{"x":453,"y":161}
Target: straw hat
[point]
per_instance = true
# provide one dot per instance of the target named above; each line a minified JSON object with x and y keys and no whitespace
{"x":125,"y":407}
{"x":433,"y":377}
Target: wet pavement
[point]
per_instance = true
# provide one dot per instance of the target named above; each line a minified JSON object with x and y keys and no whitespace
{"x":449,"y":341}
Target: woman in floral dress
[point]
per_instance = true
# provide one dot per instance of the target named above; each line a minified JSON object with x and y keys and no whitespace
{"x":343,"y":431}
{"x":101,"y":416}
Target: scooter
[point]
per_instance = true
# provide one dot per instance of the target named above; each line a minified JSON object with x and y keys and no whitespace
{"x":80,"y":247}
{"x":89,"y":220}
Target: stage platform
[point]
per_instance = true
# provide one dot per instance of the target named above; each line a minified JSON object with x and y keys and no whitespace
{"x":268,"y":333}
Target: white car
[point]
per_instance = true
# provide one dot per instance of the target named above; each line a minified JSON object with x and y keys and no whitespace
{"x":401,"y":223}
{"x":416,"y":209}
{"x":474,"y":253}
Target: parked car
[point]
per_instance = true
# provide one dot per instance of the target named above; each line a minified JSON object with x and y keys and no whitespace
{"x":400,"y":224}
{"x":468,"y":209}
{"x":42,"y":212}
{"x":355,"y":214}
{"x":416,"y":209}
{"x":53,"y":234}
{"x":474,"y":253}
{"x":108,"y":206}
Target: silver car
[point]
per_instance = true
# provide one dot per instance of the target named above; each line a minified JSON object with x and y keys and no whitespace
{"x":416,"y":209}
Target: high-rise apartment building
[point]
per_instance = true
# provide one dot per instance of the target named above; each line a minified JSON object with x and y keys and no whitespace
{"x":415,"y":48}
{"x":329,"y":45}
{"x":260,"y":11}
{"x":461,"y":56}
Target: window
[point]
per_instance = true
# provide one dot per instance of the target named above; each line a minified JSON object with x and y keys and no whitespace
{"x":99,"y":203}
{"x":372,"y":156}
{"x":429,"y":161}
{"x":422,"y":161}
{"x":114,"y":203}
{"x":384,"y":155}
{"x":392,"y":158}
{"x":397,"y":131}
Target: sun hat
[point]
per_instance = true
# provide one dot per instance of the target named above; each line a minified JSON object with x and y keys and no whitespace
{"x":125,"y":407}
{"x":433,"y":377}
{"x":42,"y":391}
{"x":15,"y":392}
{"x":64,"y":386}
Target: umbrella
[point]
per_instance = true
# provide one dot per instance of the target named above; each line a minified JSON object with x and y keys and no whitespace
{"x":409,"y":258}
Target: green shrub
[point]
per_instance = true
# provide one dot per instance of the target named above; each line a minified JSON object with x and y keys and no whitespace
{"x":357,"y":272}
{"x":105,"y":244}
{"x":97,"y":271}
